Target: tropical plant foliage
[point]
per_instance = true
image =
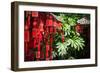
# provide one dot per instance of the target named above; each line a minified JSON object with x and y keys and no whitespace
{"x":72,"y":39}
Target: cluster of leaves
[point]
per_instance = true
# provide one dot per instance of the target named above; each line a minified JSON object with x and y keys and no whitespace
{"x":73,"y":39}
